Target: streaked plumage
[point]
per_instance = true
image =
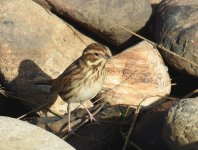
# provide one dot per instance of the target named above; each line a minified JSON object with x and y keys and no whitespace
{"x":84,"y":78}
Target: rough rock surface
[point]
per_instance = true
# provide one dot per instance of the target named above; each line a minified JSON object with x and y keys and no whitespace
{"x":181,"y":128}
{"x":176,"y":27}
{"x":16,"y":134}
{"x":141,"y":73}
{"x":35,"y":44}
{"x":154,"y":3}
{"x":93,"y":14}
{"x":148,"y":130}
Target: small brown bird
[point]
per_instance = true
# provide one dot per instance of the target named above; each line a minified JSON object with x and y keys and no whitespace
{"x":84,"y":78}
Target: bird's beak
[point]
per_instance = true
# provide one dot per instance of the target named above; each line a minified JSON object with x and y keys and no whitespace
{"x":107,"y":56}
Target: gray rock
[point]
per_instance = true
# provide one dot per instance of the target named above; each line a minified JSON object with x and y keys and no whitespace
{"x":176,"y":28}
{"x":181,"y":127}
{"x":130,"y":14}
{"x":35,"y":44}
{"x":16,"y":134}
{"x":148,"y":131}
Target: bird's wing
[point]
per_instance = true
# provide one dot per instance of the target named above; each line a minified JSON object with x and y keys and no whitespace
{"x":64,"y":80}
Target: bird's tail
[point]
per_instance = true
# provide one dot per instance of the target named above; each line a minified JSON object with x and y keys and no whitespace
{"x":44,"y":82}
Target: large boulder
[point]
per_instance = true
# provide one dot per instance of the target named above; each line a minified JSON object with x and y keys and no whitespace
{"x":176,"y":28}
{"x":181,"y":127}
{"x":147,"y":132}
{"x":35,"y":44}
{"x":154,"y":3}
{"x":17,"y":134}
{"x":97,"y":16}
{"x":138,"y":73}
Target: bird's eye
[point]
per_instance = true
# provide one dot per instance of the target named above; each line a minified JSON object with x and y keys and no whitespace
{"x":96,"y":54}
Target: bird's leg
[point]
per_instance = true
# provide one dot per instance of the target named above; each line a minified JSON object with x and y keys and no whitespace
{"x":69,"y":117}
{"x":90,"y":115}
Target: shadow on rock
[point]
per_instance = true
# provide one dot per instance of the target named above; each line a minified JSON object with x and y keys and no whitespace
{"x":31,"y":95}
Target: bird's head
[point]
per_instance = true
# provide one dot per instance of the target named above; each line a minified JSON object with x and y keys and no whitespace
{"x":96,"y":54}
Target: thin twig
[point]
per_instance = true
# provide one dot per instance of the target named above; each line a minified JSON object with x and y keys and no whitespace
{"x":132,"y":124}
{"x":115,"y":87}
{"x":167,"y":97}
{"x":19,"y":98}
{"x":34,"y":110}
{"x":131,"y":142}
{"x":190,"y":94}
{"x":135,"y":145}
{"x":125,"y":115}
{"x":11,"y":95}
{"x":76,"y":34}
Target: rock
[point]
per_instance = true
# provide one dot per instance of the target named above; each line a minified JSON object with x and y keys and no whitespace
{"x":148,"y":130}
{"x":16,"y":134}
{"x":181,"y":128}
{"x":142,"y":74}
{"x":176,"y":28}
{"x":95,"y":16}
{"x":106,"y":136}
{"x":57,"y":125}
{"x":35,"y":44}
{"x":154,"y":3}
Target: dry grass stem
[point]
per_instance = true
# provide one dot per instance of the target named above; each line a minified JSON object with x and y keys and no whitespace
{"x":115,"y":87}
{"x":32,"y":111}
{"x":11,"y":95}
{"x":130,"y":142}
{"x":132,"y":124}
{"x":191,"y":94}
{"x":77,"y":35}
{"x":135,"y":145}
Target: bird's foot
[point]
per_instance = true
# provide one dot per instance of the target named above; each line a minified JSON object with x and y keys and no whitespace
{"x":93,"y":120}
{"x":91,"y":117}
{"x":70,"y":132}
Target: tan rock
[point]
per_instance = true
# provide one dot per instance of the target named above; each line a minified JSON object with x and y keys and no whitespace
{"x":155,"y":2}
{"x":147,"y":76}
{"x":35,"y":44}
{"x":19,"y":135}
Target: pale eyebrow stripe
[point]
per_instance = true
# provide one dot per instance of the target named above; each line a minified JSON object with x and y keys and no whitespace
{"x":93,"y":51}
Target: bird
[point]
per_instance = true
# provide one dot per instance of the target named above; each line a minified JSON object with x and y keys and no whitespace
{"x":83,"y":79}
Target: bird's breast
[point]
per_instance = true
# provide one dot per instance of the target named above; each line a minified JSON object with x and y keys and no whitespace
{"x":91,"y":86}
